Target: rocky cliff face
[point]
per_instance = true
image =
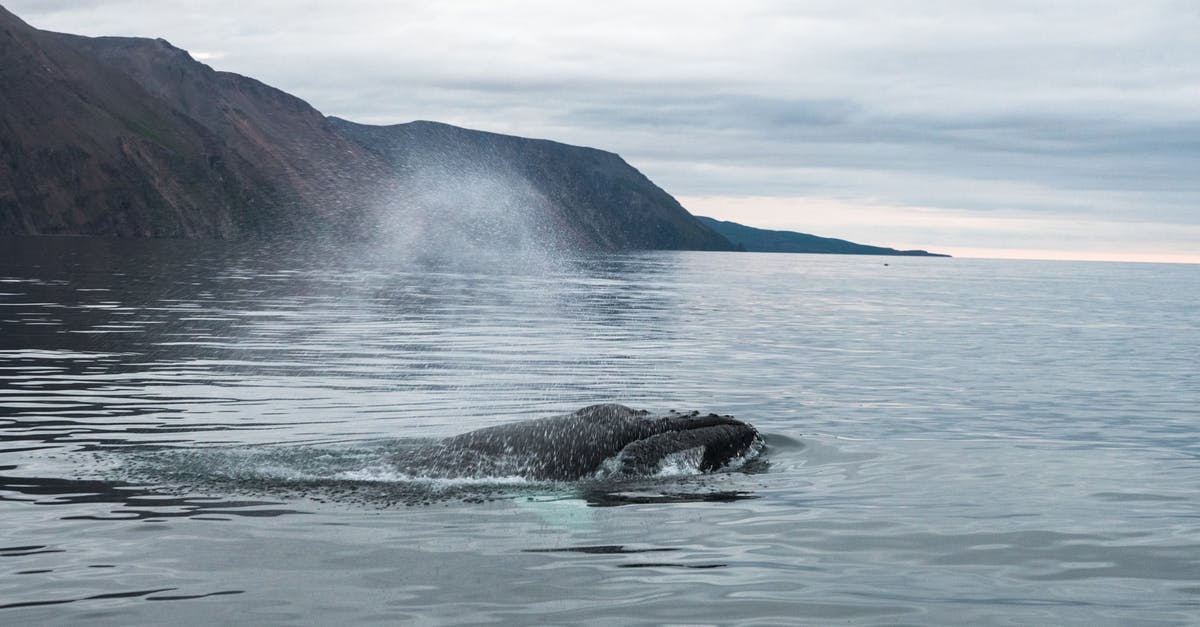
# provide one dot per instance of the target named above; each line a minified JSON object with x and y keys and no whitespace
{"x":130,"y":137}
{"x":519,"y":187}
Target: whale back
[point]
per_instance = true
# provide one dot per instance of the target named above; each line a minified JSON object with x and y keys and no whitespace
{"x":599,"y":439}
{"x":568,"y":446}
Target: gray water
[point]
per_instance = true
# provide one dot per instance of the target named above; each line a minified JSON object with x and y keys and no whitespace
{"x":197,"y":433}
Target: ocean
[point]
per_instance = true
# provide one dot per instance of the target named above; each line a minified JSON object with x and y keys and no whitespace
{"x":198,"y":433}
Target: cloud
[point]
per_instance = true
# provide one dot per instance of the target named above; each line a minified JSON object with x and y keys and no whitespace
{"x":1079,"y":110}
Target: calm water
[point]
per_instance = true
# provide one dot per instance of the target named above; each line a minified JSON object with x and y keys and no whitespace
{"x":197,"y":434}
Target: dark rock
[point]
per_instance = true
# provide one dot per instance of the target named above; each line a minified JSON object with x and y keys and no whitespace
{"x":132,"y":138}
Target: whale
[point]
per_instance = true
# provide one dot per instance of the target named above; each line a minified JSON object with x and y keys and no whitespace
{"x":598,"y":441}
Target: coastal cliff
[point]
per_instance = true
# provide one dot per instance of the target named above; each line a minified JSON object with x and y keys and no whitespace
{"x":132,"y":137}
{"x":588,"y":197}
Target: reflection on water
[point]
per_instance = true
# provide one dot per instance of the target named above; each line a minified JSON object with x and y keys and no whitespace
{"x":951,"y":441}
{"x":132,"y":502}
{"x":623,"y":496}
{"x":155,"y":594}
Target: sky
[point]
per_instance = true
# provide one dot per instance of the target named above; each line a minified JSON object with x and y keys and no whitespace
{"x":1025,"y":129}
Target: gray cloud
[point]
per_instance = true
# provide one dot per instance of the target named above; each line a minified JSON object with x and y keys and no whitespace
{"x":1072,"y":109}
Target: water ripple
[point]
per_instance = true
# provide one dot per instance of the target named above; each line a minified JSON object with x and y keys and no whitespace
{"x":950,"y":441}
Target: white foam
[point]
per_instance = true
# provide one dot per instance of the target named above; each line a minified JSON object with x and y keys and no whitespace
{"x":685,"y":463}
{"x":681,"y":463}
{"x":388,"y":474}
{"x":756,"y":449}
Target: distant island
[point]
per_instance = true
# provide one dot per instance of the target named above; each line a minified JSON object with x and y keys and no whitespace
{"x":751,"y":239}
{"x":132,"y":137}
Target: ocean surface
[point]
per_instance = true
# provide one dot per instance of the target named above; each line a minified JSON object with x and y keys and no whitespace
{"x":199,"y":433}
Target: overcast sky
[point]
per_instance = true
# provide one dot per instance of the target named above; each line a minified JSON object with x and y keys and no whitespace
{"x":1016,"y":128}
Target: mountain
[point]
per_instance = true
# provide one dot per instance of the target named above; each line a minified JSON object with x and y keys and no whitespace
{"x":766,"y":241}
{"x":543,"y":189}
{"x":131,"y":137}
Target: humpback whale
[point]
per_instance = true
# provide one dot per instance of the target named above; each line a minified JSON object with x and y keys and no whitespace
{"x":599,"y":441}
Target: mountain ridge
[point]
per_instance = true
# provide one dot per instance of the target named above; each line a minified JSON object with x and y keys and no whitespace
{"x":132,"y":137}
{"x":531,"y":173}
{"x":753,"y":239}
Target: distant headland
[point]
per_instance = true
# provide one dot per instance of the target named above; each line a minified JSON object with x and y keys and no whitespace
{"x":132,"y":137}
{"x":751,"y":239}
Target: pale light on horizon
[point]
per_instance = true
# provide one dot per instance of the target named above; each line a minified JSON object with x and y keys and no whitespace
{"x":986,"y":235}
{"x":1062,"y":255}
